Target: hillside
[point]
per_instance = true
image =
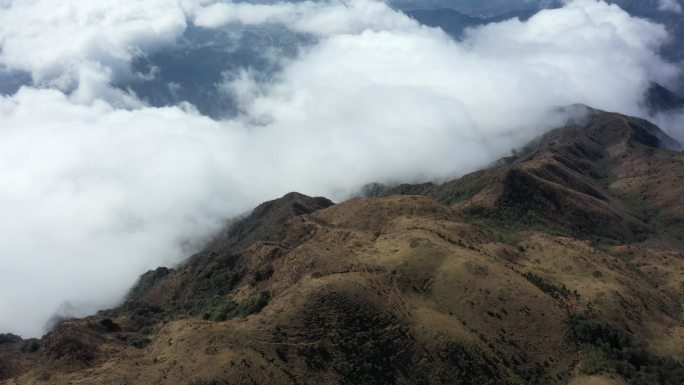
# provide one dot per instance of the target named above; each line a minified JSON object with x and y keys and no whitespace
{"x":563,"y":264}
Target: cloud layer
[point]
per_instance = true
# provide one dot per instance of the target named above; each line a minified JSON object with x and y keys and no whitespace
{"x":669,"y":6}
{"x":97,"y":187}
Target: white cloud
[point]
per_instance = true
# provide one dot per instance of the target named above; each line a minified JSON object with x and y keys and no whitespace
{"x":54,"y":39}
{"x":672,"y":122}
{"x":320,"y":18}
{"x":97,"y":188}
{"x":669,"y":6}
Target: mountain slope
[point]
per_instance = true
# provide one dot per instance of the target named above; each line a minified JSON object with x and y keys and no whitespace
{"x":582,"y":180}
{"x":562,"y":264}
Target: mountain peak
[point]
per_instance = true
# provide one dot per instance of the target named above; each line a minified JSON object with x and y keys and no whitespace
{"x":567,"y":179}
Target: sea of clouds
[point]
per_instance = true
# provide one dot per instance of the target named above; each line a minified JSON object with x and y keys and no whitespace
{"x":97,"y":186}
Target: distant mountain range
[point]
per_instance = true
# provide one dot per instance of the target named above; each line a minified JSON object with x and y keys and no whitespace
{"x":477,"y":8}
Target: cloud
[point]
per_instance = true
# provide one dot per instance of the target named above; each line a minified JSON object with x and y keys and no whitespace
{"x":672,"y":122}
{"x":97,"y":187}
{"x":57,"y":41}
{"x":669,"y":6}
{"x":322,"y":18}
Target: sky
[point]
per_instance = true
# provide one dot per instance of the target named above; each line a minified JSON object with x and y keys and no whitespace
{"x":98,"y":185}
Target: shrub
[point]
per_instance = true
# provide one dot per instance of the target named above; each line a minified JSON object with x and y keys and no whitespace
{"x":605,"y":349}
{"x":30,"y":346}
{"x":261,"y":275}
{"x":138,"y":340}
{"x":225,"y":309}
{"x":209,"y":382}
{"x":557,"y":291}
{"x":109,"y":325}
{"x":252,"y":305}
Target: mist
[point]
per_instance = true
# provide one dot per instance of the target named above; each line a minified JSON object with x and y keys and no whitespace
{"x":98,"y":185}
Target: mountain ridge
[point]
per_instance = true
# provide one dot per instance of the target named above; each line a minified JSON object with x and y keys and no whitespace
{"x":559,"y":265}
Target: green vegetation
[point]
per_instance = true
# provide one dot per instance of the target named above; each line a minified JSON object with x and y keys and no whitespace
{"x":145,"y":316}
{"x":625,"y":255}
{"x":449,"y":193}
{"x":463,"y":189}
{"x":138,"y":340}
{"x":504,"y":222}
{"x":225,"y":309}
{"x":109,"y":326}
{"x":656,"y":219}
{"x":30,"y":346}
{"x":500,"y":228}
{"x":557,"y":291}
{"x":605,"y":349}
{"x":377,"y":190}
{"x":218,"y":278}
{"x":261,"y":275}
{"x":209,"y":382}
{"x":471,"y":366}
{"x":501,"y":234}
{"x":147,"y":281}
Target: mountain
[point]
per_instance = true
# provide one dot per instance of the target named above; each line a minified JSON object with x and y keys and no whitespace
{"x":562,"y":264}
{"x":484,"y":9}
{"x":565,"y":181}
